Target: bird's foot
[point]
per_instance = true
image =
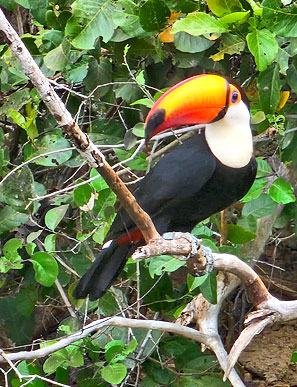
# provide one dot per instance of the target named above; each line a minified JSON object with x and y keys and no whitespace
{"x":196,"y":250}
{"x":195,"y":242}
{"x":209,"y":260}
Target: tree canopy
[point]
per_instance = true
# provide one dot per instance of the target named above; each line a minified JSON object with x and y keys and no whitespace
{"x":109,"y":61}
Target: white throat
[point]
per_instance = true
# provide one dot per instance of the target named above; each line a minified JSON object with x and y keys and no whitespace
{"x":230,"y":139}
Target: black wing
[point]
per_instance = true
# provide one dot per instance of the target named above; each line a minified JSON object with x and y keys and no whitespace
{"x":177,"y":176}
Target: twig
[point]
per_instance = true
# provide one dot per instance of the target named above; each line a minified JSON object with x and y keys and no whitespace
{"x":12,"y":366}
{"x":65,"y":298}
{"x":109,"y":321}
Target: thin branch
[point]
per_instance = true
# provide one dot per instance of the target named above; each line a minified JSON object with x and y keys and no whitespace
{"x":109,"y":321}
{"x":65,"y":298}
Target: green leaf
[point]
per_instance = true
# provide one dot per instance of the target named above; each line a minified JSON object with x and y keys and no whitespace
{"x":19,"y":328}
{"x":82,"y":194}
{"x":114,"y":373}
{"x":11,"y":247}
{"x":131,"y":346}
{"x":264,"y":168}
{"x":139,"y":130}
{"x":99,"y":184}
{"x":285,"y":18}
{"x":230,"y":44}
{"x":50,"y":242}
{"x":282,"y":59}
{"x":11,"y":259}
{"x":78,"y":71}
{"x":260,"y":207}
{"x":99,"y":74}
{"x":104,"y":204}
{"x":48,"y":143}
{"x":294,"y":357}
{"x":224,"y":7}
{"x":18,"y":118}
{"x":237,"y":234}
{"x":281,"y":191}
{"x":97,"y":17}
{"x":163,"y":263}
{"x":188,"y":43}
{"x":55,"y":360}
{"x":140,"y":78}
{"x":30,"y":247}
{"x":58,"y":58}
{"x":199,"y":23}
{"x":153,"y":15}
{"x":143,"y":101}
{"x":16,"y":101}
{"x":25,"y":300}
{"x":113,"y":349}
{"x":235,"y":17}
{"x":6,"y":264}
{"x":33,"y":235}
{"x":139,"y":163}
{"x":248,"y":222}
{"x":18,"y":189}
{"x":209,"y":288}
{"x":45,"y":267}
{"x":30,"y":368}
{"x":38,"y":9}
{"x":258,"y":117}
{"x":269,"y":87}
{"x":292,"y":76}
{"x":263,"y":46}
{"x":54,"y":216}
{"x":255,"y":190}
{"x":126,"y":16}
{"x":10,"y":218}
{"x":76,"y":358}
{"x":194,"y":282}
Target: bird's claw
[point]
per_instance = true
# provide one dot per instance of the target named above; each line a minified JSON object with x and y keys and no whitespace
{"x":195,"y":242}
{"x":195,"y":246}
{"x":209,"y":260}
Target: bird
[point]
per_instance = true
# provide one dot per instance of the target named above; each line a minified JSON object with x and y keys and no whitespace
{"x":200,"y":177}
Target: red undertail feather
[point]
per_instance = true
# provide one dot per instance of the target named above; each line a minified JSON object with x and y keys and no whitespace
{"x":132,"y":237}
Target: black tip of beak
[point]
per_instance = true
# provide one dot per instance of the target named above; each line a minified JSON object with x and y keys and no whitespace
{"x":156,"y":119}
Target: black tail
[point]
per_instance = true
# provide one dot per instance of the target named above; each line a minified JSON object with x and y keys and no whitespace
{"x":105,"y":269}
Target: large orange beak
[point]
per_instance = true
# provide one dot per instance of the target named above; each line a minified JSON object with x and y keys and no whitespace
{"x":197,"y":100}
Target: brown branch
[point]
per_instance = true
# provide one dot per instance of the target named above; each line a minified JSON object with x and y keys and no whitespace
{"x":86,"y":148}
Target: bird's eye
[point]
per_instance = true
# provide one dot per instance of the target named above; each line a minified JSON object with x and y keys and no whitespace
{"x":234,"y":96}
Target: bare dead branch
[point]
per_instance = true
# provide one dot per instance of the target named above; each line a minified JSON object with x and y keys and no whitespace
{"x":190,"y":333}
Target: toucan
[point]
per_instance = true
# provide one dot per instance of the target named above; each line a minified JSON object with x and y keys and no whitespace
{"x":200,"y":177}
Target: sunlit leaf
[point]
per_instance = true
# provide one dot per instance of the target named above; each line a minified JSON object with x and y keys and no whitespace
{"x":263,"y":46}
{"x":114,"y":373}
{"x":237,"y":234}
{"x":281,"y":191}
{"x":224,"y":7}
{"x":198,"y":24}
{"x":98,"y":22}
{"x":45,"y":267}
{"x":54,"y":216}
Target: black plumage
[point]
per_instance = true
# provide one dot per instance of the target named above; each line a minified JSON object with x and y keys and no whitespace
{"x":186,"y":186}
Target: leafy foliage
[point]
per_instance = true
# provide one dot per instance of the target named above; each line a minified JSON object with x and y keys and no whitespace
{"x":107,"y":60}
